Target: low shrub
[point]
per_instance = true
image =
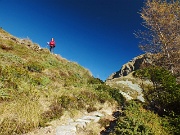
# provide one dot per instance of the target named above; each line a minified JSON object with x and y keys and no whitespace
{"x":93,"y":80}
{"x":174,"y":124}
{"x":115,"y":94}
{"x":136,"y":120}
{"x":55,"y":111}
{"x":34,"y":66}
{"x":91,"y":108}
{"x":106,"y":92}
{"x":165,"y":93}
{"x":104,"y":122}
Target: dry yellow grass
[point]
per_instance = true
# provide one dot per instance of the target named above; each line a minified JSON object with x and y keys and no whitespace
{"x":36,"y":86}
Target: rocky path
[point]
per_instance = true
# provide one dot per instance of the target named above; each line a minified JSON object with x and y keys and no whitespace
{"x":72,"y":127}
{"x":78,"y":125}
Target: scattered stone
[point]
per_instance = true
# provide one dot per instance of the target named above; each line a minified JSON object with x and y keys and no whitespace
{"x":71,"y":128}
{"x":126,"y":95}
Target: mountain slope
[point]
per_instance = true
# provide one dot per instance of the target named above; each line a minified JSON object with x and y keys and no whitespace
{"x":37,"y":87}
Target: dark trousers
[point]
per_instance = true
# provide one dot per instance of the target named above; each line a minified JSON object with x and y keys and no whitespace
{"x":51,"y":49}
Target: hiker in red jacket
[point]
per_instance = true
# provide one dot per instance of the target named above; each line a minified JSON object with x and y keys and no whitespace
{"x":52,"y":45}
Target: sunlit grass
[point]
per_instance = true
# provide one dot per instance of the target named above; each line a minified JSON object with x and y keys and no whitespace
{"x":37,"y":87}
{"x":20,"y":116}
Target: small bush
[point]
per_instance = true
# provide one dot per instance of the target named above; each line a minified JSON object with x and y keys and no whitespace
{"x":115,"y":94}
{"x":91,"y":108}
{"x":104,"y":122}
{"x":55,"y":111}
{"x":137,"y":120}
{"x":34,"y":67}
{"x":174,"y":124}
{"x":106,"y":92}
{"x":165,"y":94}
{"x":93,"y":80}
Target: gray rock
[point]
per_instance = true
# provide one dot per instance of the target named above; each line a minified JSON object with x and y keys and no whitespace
{"x":132,"y":65}
{"x":66,"y":130}
{"x":71,"y":128}
{"x":92,"y":118}
{"x":79,"y":124}
{"x":83,"y":120}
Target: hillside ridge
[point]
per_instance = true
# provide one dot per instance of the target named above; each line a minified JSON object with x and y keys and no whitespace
{"x":38,"y":88}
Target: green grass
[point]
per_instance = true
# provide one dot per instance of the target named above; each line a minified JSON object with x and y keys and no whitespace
{"x":37,"y":87}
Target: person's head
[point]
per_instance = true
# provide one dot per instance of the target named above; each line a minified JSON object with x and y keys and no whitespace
{"x":52,"y":39}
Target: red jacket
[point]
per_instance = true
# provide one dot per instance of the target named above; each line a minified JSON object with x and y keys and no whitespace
{"x":52,"y":43}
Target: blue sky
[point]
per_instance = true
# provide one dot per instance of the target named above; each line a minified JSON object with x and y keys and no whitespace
{"x":97,"y":34}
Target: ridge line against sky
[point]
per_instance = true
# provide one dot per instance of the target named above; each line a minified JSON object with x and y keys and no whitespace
{"x":97,"y":34}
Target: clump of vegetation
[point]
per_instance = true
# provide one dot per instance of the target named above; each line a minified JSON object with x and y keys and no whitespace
{"x":164,"y":97}
{"x":165,"y":93}
{"x":34,"y":66}
{"x":104,"y":122}
{"x":55,"y":111}
{"x":101,"y":88}
{"x":137,"y":120}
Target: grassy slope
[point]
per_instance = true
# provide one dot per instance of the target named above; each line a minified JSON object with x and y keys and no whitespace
{"x":37,"y":86}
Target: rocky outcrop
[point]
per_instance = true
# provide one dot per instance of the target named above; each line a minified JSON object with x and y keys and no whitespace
{"x":25,"y":41}
{"x":128,"y":85}
{"x":132,"y":65}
